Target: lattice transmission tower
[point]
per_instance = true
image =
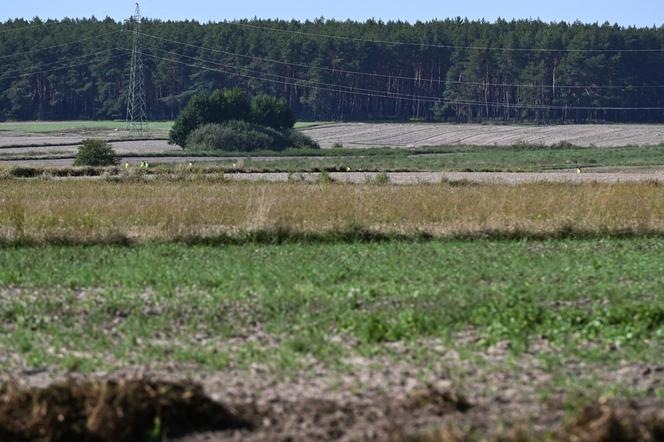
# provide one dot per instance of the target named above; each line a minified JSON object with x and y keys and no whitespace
{"x":137,"y":118}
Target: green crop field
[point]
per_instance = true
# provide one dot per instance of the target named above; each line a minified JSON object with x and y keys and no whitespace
{"x":583,"y":318}
{"x":581,"y":296}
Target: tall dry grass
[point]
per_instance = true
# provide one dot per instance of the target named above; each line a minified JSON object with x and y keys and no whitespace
{"x":85,"y":211}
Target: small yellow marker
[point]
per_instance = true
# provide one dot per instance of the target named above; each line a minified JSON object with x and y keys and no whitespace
{"x":126,"y":164}
{"x":578,"y":171}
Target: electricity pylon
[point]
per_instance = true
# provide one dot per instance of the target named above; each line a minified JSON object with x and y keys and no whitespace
{"x":137,"y":119}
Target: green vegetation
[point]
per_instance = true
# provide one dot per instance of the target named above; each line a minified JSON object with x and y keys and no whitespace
{"x":241,"y":136}
{"x":493,"y":83}
{"x":150,"y":302}
{"x":95,"y":153}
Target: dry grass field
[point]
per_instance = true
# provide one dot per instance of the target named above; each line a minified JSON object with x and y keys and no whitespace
{"x":46,"y":211}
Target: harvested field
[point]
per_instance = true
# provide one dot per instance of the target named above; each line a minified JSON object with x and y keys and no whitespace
{"x":63,"y":138}
{"x":421,"y":134}
{"x":366,"y":135}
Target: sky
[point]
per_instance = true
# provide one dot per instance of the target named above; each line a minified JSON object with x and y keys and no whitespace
{"x":626,"y":13}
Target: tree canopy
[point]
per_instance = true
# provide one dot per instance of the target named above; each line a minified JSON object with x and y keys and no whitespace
{"x":455,"y":70}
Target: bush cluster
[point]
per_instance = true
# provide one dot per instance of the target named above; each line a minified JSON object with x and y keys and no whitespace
{"x":95,"y":153}
{"x":228,"y":120}
{"x":236,"y":135}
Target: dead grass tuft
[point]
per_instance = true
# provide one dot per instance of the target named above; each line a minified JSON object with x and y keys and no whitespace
{"x":96,"y":411}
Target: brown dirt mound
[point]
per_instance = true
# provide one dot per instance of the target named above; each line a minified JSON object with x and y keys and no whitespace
{"x":618,"y":421}
{"x":105,"y":411}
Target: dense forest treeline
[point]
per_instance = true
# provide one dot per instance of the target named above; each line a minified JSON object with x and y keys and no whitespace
{"x":453,"y":70}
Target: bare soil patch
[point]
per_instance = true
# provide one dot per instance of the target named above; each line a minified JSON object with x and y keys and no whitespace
{"x":376,"y":400}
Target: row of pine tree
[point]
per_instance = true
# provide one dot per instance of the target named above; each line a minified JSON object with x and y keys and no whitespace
{"x":452,"y":70}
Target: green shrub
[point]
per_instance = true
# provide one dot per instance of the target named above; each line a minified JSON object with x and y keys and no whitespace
{"x":299,"y":140}
{"x":236,"y":136}
{"x":95,"y":153}
{"x":241,"y":136}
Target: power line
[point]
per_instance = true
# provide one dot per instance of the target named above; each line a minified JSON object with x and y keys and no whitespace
{"x":70,"y":66}
{"x":69,"y":59}
{"x":439,"y":46}
{"x":314,"y":82}
{"x":92,"y":37}
{"x":379,"y":94}
{"x":291,"y":83}
{"x":398,"y":77}
{"x":557,"y":86}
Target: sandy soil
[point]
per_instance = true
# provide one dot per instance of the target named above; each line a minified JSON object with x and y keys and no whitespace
{"x":67,"y":162}
{"x":474,"y":177}
{"x":418,"y":135}
{"x":402,"y":178}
